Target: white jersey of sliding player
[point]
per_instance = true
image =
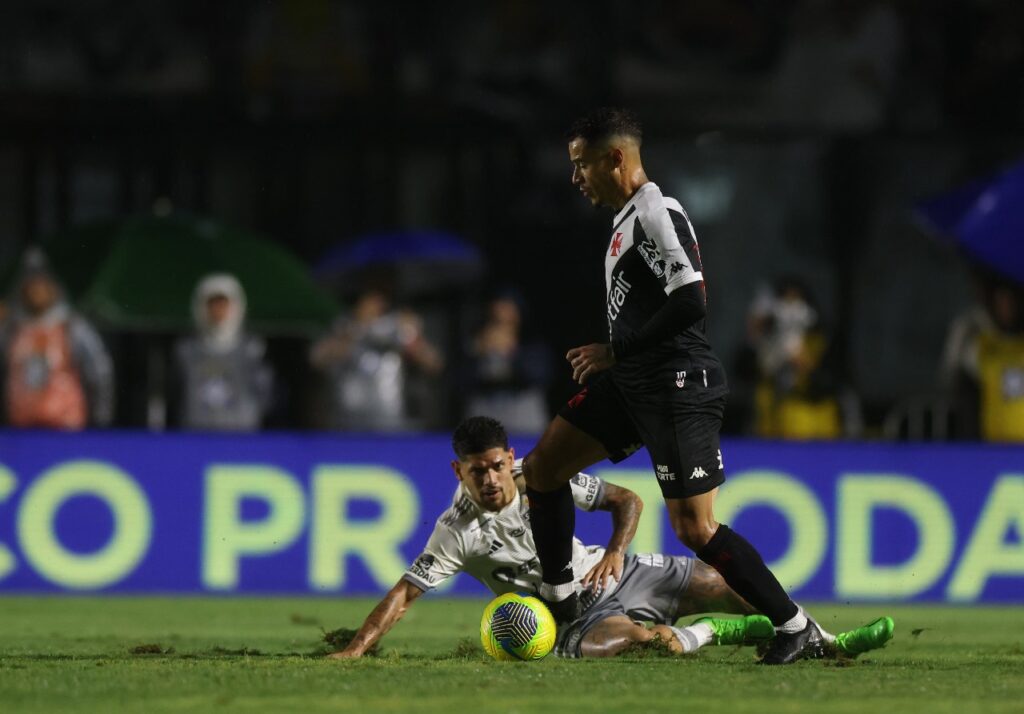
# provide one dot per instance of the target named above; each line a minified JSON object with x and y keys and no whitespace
{"x":497,"y":548}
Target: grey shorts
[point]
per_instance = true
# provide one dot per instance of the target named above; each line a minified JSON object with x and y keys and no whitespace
{"x":649,"y":591}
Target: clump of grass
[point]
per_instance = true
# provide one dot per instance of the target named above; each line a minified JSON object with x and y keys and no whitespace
{"x":150,"y":649}
{"x":656,"y":647}
{"x":465,"y":649}
{"x":337,"y":640}
{"x":241,"y":652}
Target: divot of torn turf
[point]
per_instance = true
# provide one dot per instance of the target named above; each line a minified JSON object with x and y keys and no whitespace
{"x":241,"y":652}
{"x":652,"y":649}
{"x":465,"y":649}
{"x":339,"y":639}
{"x":150,"y":649}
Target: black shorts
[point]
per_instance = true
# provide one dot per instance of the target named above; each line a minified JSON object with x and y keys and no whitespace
{"x":681,"y":436}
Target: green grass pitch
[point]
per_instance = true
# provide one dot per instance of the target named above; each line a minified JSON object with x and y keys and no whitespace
{"x":86,"y":654}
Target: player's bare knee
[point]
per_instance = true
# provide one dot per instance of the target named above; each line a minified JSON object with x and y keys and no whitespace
{"x":694,"y":533}
{"x":537,"y":473}
{"x":543,"y":473}
{"x":690,"y":534}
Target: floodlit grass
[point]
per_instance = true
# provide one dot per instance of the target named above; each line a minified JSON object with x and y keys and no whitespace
{"x":194,"y":655}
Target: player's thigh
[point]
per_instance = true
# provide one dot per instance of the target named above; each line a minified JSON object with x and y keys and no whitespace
{"x":652,"y":584}
{"x":612,"y":635}
{"x":682,"y":441}
{"x":562,"y":452}
{"x":707,"y":591}
{"x":591,"y":427}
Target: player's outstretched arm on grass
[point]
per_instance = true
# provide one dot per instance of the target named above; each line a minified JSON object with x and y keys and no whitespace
{"x":626,"y":508}
{"x":381,"y":620}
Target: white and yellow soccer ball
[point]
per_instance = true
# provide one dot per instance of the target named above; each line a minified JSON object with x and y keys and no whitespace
{"x":517,"y":626}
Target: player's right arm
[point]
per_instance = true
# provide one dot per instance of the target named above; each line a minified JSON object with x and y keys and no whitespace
{"x":380,"y":621}
{"x":625,"y":507}
{"x":441,"y":558}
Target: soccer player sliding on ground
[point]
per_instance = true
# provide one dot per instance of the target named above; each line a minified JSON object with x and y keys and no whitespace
{"x":486,"y":533}
{"x":655,"y":383}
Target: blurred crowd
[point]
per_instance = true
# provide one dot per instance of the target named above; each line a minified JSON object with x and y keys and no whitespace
{"x":378,"y":368}
{"x":783,"y":128}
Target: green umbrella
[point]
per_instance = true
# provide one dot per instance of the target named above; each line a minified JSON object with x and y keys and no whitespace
{"x":138,"y":274}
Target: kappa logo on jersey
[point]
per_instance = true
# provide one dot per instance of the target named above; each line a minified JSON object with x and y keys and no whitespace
{"x":617,"y":295}
{"x":664,"y":474}
{"x":681,"y":379}
{"x":699,"y":473}
{"x":652,"y":256}
{"x":616,"y":245}
{"x":675,"y":268}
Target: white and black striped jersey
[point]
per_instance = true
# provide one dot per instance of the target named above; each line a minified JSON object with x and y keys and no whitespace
{"x":497,"y":548}
{"x":652,"y":252}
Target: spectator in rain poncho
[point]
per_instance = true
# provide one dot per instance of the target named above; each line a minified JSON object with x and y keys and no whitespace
{"x":226,"y":384}
{"x":56,"y":372}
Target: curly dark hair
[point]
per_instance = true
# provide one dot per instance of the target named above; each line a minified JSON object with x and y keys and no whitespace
{"x":606,"y":122}
{"x":477,"y":434}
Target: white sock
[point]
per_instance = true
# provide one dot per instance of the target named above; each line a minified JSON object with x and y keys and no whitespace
{"x":556,"y":593}
{"x":693,"y":637}
{"x":794,"y":624}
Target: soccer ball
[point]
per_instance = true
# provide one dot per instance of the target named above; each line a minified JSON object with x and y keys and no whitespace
{"x":517,"y":626}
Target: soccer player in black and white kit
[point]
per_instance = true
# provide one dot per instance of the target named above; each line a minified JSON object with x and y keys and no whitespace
{"x":655,"y":383}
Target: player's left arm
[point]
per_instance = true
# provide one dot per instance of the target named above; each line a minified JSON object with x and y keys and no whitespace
{"x":677,"y":265}
{"x":625,"y":507}
{"x":684,"y":307}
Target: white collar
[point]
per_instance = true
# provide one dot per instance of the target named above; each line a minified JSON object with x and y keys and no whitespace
{"x":632,"y":199}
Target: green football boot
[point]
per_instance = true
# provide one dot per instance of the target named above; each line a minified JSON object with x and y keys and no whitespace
{"x":739,"y":631}
{"x":863,"y":639}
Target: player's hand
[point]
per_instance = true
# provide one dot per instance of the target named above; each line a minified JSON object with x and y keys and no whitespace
{"x":589,"y":359}
{"x":608,"y":568}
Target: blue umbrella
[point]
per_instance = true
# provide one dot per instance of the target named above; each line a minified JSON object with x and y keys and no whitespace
{"x":985,"y":219}
{"x":421,"y":261}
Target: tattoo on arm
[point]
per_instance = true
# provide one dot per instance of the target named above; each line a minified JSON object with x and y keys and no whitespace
{"x":626,"y":508}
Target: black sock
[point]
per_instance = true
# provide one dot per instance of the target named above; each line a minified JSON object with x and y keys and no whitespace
{"x":553,"y":521}
{"x":745,"y":572}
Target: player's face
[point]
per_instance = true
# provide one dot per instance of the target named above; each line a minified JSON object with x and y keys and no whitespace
{"x":487,"y":477}
{"x":594,"y":171}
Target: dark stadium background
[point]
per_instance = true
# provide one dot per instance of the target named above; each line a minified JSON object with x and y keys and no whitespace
{"x":315,"y":122}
